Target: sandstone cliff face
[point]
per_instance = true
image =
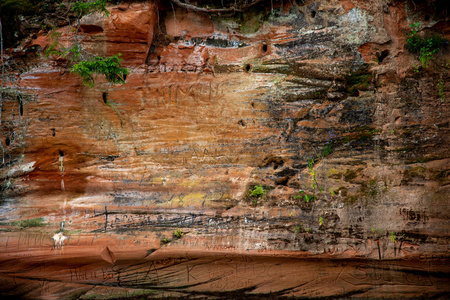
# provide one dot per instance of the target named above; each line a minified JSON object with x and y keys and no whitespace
{"x":319,"y":99}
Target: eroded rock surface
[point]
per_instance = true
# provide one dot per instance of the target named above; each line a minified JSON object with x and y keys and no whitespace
{"x":319,"y":103}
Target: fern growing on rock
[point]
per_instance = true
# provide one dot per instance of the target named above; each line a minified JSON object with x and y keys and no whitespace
{"x":86,"y":65}
{"x":108,"y":66}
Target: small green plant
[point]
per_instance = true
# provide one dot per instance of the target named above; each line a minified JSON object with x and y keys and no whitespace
{"x":314,"y":184}
{"x":310,"y":198}
{"x":332,"y":192}
{"x":313,"y":173}
{"x":320,"y":221}
{"x":392,"y":237}
{"x":302,"y":194}
{"x":178,"y":234}
{"x":165,"y":241}
{"x":257,"y":191}
{"x":425,"y":46}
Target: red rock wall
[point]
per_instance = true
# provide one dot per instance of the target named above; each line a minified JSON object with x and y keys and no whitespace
{"x":212,"y":107}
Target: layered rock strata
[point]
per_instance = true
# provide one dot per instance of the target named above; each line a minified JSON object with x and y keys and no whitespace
{"x":319,"y":103}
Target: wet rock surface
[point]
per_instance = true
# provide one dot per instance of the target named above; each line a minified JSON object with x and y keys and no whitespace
{"x":288,"y":151}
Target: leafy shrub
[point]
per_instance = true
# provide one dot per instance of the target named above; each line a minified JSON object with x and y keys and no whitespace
{"x":108,"y":66}
{"x":425,"y":46}
{"x":87,"y":67}
{"x":258,"y":191}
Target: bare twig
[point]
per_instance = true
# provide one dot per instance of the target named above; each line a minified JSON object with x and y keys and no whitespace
{"x":215,"y":10}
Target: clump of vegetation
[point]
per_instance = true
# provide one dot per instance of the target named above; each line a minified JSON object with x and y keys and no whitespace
{"x":108,"y":66}
{"x":36,"y":222}
{"x":178,"y":234}
{"x":392,"y":237}
{"x":314,"y":184}
{"x":425,"y":46}
{"x":308,"y":198}
{"x":85,"y":64}
{"x":258,"y":191}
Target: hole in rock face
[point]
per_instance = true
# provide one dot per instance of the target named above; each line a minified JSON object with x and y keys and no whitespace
{"x":241,"y":123}
{"x":125,"y":77}
{"x":7,"y":141}
{"x":53,"y":132}
{"x":264,"y":47}
{"x":20,"y":108}
{"x":61,"y":153}
{"x":313,"y":14}
{"x":92,"y":29}
{"x":247,"y":68}
{"x":105,"y":97}
{"x":383,"y":55}
{"x":253,"y":104}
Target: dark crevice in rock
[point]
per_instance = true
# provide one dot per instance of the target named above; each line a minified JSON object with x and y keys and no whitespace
{"x":383,"y":55}
{"x":105,"y":97}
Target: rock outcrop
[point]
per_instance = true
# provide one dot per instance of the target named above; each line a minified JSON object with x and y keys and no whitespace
{"x":320,"y":105}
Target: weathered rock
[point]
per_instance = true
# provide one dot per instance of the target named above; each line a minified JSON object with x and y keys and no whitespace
{"x":317,"y":103}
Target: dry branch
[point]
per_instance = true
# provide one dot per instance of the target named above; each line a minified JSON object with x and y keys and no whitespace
{"x":231,"y":9}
